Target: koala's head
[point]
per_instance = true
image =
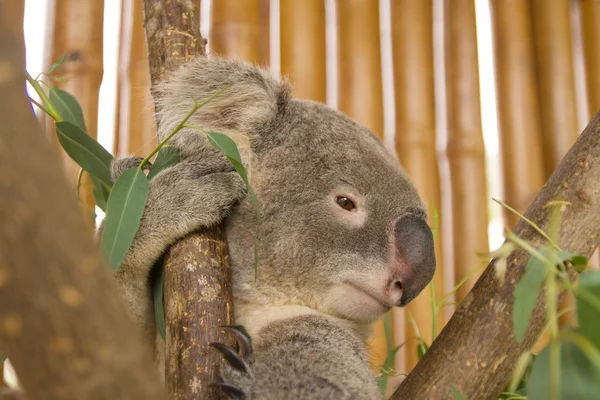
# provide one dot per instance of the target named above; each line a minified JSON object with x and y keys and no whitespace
{"x":343,"y":230}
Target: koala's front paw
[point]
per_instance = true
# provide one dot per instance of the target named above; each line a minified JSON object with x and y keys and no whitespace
{"x":121,"y":164}
{"x":237,"y":377}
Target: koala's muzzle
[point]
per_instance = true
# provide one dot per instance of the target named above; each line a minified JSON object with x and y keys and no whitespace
{"x":415,"y":257}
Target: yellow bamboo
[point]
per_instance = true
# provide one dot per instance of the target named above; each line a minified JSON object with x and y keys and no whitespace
{"x":556,"y":80}
{"x":240,"y":28}
{"x":360,"y":91}
{"x":590,"y":24}
{"x":77,"y":29}
{"x":303,"y":51}
{"x":518,"y":105}
{"x":590,"y":21}
{"x":137,"y":127}
{"x":466,"y":151}
{"x":412,"y":48}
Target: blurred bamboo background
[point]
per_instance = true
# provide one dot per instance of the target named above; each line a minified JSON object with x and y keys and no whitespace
{"x":413,"y":71}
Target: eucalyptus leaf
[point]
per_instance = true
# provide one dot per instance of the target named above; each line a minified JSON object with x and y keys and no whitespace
{"x":166,"y":157}
{"x":123,"y":214}
{"x":67,"y":107}
{"x":580,"y":263}
{"x":564,"y":255}
{"x":388,"y":364}
{"x":159,"y":312}
{"x":85,"y":151}
{"x":101,"y":194}
{"x":457,"y":394}
{"x":578,"y":376}
{"x":421,"y":349}
{"x":526,"y":294}
{"x":588,"y":305}
{"x":58,"y":63}
{"x":228,"y":147}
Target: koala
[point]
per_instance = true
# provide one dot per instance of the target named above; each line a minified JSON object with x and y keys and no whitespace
{"x":343,"y":237}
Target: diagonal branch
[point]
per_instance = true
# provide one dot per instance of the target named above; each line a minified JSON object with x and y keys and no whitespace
{"x":477,"y":351}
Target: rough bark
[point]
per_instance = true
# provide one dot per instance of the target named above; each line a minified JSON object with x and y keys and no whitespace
{"x":197,"y":288}
{"x":62,"y":321}
{"x":477,"y":351}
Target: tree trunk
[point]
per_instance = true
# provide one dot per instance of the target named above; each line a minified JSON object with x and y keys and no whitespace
{"x":477,"y":351}
{"x":62,"y":320}
{"x":197,"y":283}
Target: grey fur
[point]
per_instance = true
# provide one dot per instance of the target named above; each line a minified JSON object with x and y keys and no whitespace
{"x":306,"y":319}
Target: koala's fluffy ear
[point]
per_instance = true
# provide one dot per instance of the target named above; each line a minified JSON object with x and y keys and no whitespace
{"x":252,"y":101}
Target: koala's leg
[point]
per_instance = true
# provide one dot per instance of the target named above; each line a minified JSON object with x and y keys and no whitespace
{"x":182,"y":199}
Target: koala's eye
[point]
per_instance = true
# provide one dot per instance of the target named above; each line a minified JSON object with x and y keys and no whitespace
{"x":345,"y":203}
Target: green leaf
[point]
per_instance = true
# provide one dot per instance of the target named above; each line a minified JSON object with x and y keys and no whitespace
{"x":526,"y":294}
{"x":123,"y":214}
{"x":421,"y":349}
{"x":388,"y":364}
{"x":67,"y":107}
{"x":588,"y":305}
{"x":166,"y":157}
{"x":58,"y":63}
{"x":228,"y":147}
{"x":521,"y":372}
{"x":580,"y":263}
{"x":2,"y":359}
{"x":579,"y":379}
{"x":101,"y":194}
{"x":457,"y":394}
{"x":159,"y":312}
{"x":85,"y":151}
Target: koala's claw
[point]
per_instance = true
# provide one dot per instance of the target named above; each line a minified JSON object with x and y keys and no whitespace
{"x":234,"y":360}
{"x":230,"y":390}
{"x":243,"y":340}
{"x":237,"y":375}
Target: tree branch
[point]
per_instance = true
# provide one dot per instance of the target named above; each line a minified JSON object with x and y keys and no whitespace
{"x":197,"y":283}
{"x":62,"y":322}
{"x":476,"y":351}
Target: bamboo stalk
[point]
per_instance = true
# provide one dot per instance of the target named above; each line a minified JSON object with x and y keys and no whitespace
{"x":238,"y":29}
{"x":136,"y":125}
{"x":412,"y":51}
{"x":518,"y":104}
{"x":466,"y":151}
{"x":590,"y":22}
{"x":303,"y":50}
{"x":360,"y":91}
{"x":556,"y":80}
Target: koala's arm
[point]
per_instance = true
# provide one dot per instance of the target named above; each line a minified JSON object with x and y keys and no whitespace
{"x":182,"y":199}
{"x":304,"y":357}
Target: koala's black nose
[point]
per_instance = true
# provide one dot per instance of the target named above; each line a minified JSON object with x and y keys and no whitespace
{"x":415,"y":257}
